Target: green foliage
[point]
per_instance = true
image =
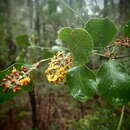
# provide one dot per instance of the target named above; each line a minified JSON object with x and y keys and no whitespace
{"x":5,"y":96}
{"x":114,"y":83}
{"x":127,"y":29}
{"x":44,"y":17}
{"x":81,"y":82}
{"x":22,"y":40}
{"x":102,"y":119}
{"x":79,"y":42}
{"x":102,"y":30}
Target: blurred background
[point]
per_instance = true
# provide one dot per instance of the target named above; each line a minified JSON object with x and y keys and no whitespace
{"x":28,"y":33}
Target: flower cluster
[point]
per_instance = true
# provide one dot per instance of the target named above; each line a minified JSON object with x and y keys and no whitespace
{"x":125,"y":42}
{"x":16,"y":79}
{"x":58,"y":67}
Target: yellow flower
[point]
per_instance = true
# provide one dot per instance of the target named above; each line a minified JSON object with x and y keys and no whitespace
{"x":51,"y":68}
{"x":14,"y":70}
{"x":56,"y":73}
{"x":50,"y":78}
{"x":24,"y":81}
{"x":58,"y":67}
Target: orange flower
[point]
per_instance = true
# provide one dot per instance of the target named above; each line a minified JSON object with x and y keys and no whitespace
{"x":24,"y":81}
{"x":15,"y":79}
{"x":16,"y":88}
{"x":24,"y":69}
{"x":14,"y":70}
{"x":7,"y":86}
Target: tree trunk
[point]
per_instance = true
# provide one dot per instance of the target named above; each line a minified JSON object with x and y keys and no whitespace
{"x":105,"y":11}
{"x":31,"y":94}
{"x":124,"y":11}
{"x":8,"y":27}
{"x":33,"y":106}
{"x":37,"y":19}
{"x":6,"y":32}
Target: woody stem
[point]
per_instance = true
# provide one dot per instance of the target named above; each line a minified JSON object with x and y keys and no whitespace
{"x":37,"y":64}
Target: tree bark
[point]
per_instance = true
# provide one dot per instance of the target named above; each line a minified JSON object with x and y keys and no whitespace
{"x":31,"y":94}
{"x":34,"y":111}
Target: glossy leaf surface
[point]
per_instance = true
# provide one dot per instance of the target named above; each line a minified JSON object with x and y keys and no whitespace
{"x":114,"y":83}
{"x":102,"y":30}
{"x":81,"y":82}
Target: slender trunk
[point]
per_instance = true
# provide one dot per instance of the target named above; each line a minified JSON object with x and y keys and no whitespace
{"x":8,"y":27}
{"x":6,"y":31}
{"x":30,"y":13}
{"x":33,"y":106}
{"x":37,"y":19}
{"x":112,"y":4}
{"x":95,"y":2}
{"x":31,"y":59}
{"x":82,"y":113}
{"x":124,"y":11}
{"x":105,"y":12}
{"x":49,"y":109}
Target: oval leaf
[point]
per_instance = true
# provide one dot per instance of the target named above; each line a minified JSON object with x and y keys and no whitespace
{"x":102,"y":30}
{"x":79,"y":42}
{"x":114,"y":83}
{"x":81,"y":82}
{"x":5,"y":96}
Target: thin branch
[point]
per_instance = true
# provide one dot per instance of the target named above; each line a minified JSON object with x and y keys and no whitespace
{"x":117,"y":57}
{"x":110,"y":46}
{"x":36,"y":65}
{"x":39,"y":47}
{"x":98,"y":54}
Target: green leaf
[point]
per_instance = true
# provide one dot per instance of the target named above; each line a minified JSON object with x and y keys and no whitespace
{"x":127,"y":29}
{"x":22,"y":40}
{"x":102,"y":30}
{"x":78,"y":41}
{"x":82,"y":83}
{"x":114,"y":83}
{"x":5,"y":96}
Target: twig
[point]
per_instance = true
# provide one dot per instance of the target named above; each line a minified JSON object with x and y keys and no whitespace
{"x":39,"y":47}
{"x":98,"y":54}
{"x":117,"y":57}
{"x":120,"y":57}
{"x":110,"y":46}
{"x":36,"y":65}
